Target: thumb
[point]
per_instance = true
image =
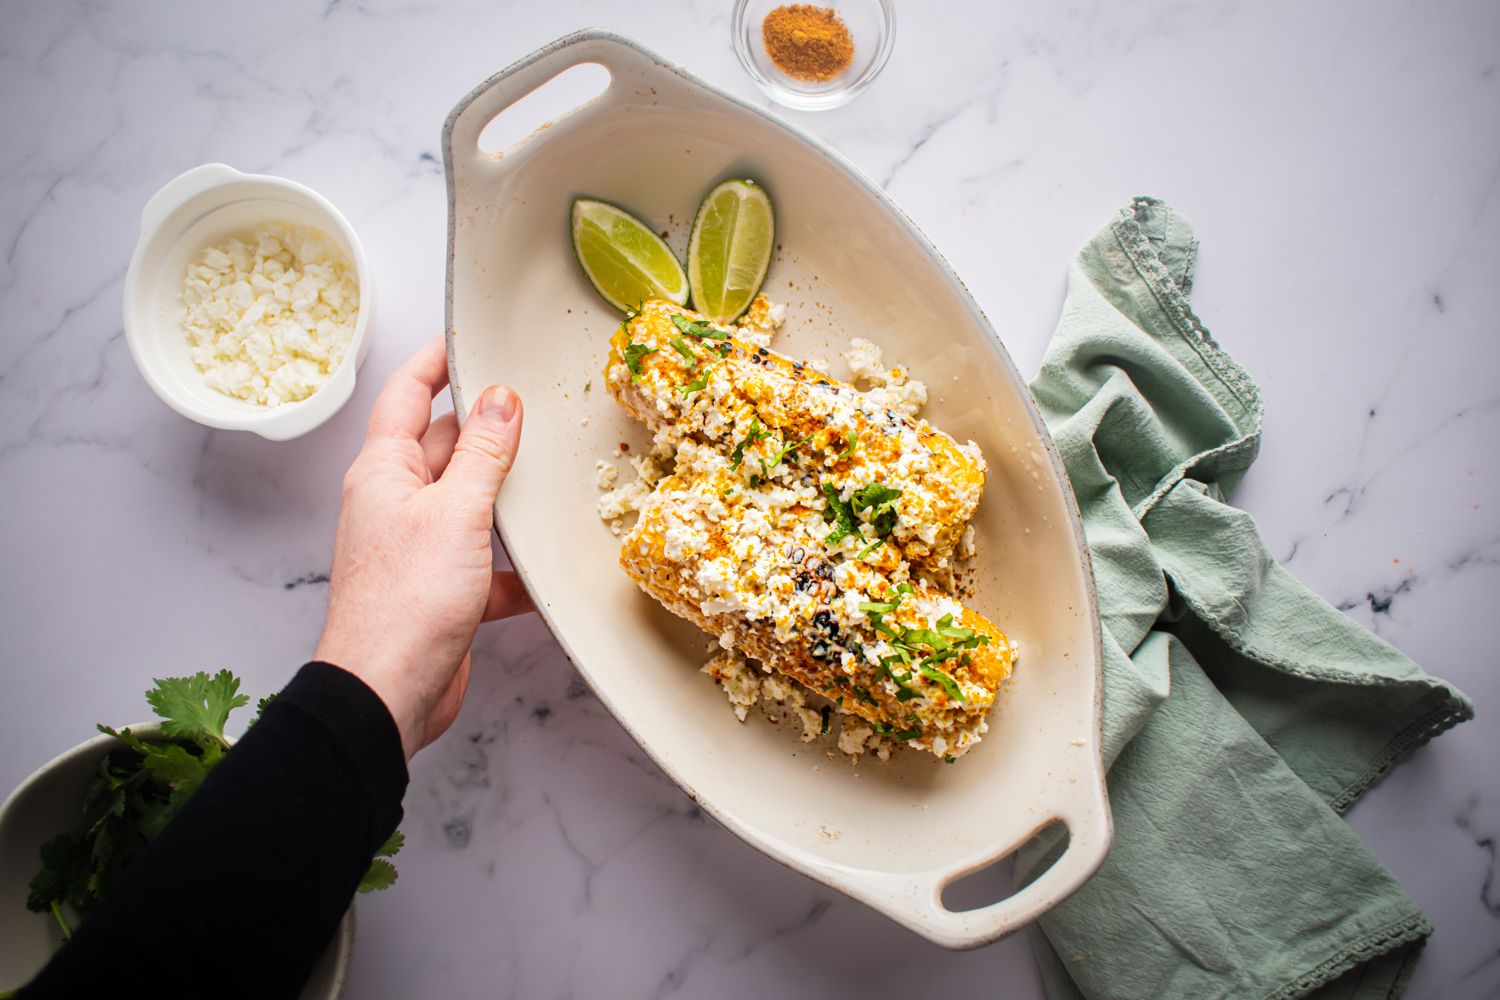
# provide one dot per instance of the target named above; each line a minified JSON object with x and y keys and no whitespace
{"x":486,"y":447}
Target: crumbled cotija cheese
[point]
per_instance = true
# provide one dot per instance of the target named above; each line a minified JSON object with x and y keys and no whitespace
{"x":270,"y":316}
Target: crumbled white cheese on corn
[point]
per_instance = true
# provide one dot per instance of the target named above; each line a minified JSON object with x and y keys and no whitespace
{"x":745,"y":683}
{"x":893,"y":388}
{"x":269,"y":317}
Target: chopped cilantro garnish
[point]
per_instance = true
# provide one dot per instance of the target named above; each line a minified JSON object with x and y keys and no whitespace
{"x":948,"y":683}
{"x":754,"y":435}
{"x":826,"y":713}
{"x":879,"y":501}
{"x":949,"y":759}
{"x":701,"y":382}
{"x":698,"y":328}
{"x":877,"y":543}
{"x":633,"y":355}
{"x":889,"y":607}
{"x":682,"y":348}
{"x":839,"y":511}
{"x":909,"y":734}
{"x":903,"y":691}
{"x":925,"y":637}
{"x":853,"y":443}
{"x":587,"y":386}
{"x":786,"y":451}
{"x":864,"y":694}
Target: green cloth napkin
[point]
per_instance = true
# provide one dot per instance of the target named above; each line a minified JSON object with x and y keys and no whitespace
{"x":1242,"y":713}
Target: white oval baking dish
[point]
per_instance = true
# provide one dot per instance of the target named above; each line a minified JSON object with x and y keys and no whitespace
{"x":520,"y":312}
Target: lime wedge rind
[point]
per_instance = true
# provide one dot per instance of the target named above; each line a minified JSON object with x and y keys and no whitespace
{"x":729,"y":251}
{"x":623,"y":258}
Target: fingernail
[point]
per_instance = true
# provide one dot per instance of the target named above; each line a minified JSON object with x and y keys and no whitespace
{"x":499,"y":403}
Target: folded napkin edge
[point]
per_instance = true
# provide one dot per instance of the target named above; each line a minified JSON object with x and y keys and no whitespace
{"x":1412,"y":929}
{"x":1455,"y":708}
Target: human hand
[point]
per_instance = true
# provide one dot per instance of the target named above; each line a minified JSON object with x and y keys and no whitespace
{"x":412,"y":572}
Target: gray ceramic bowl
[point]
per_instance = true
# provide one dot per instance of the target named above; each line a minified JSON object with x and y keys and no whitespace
{"x":46,"y":804}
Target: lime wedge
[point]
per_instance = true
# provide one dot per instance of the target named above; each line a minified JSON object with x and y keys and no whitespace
{"x":625,"y":260}
{"x":730,"y":249}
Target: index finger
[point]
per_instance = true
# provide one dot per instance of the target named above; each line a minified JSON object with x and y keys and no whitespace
{"x":404,"y":407}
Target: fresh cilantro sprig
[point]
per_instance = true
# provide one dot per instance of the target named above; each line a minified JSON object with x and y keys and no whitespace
{"x":140,"y":785}
{"x":196,"y":706}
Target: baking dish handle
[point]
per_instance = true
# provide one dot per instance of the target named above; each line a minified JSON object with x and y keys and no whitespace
{"x":470,"y":116}
{"x":917,"y":900}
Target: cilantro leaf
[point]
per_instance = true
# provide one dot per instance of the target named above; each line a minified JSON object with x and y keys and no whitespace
{"x":174,"y":766}
{"x":681,"y":347}
{"x":698,"y":328}
{"x":697,"y":384}
{"x":853,"y":443}
{"x":381,"y":875}
{"x":392,"y":845}
{"x":879,"y":501}
{"x":198,"y":706}
{"x":63,"y":877}
{"x":784,"y":452}
{"x":948,"y":683}
{"x":633,"y":355}
{"x":261,"y":706}
{"x":840,"y":512}
{"x":753,"y":436}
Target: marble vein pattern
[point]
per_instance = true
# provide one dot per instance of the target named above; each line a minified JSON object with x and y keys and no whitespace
{"x":1340,"y":162}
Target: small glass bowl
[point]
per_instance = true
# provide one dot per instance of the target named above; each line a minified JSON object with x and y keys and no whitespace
{"x":872,"y":23}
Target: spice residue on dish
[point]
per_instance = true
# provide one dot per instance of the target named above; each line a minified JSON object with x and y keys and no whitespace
{"x":808,"y":42}
{"x":269,"y":315}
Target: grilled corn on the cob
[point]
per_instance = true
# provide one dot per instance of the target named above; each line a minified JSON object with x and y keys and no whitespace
{"x":780,"y":422}
{"x":754,"y":567}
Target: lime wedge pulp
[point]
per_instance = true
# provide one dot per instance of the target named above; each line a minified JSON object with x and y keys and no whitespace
{"x":625,"y":260}
{"x":730,"y":249}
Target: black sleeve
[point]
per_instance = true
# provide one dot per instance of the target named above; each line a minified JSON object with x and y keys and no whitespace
{"x":243,"y":890}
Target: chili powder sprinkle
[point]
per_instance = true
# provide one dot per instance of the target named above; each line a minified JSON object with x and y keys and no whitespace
{"x":807,"y":42}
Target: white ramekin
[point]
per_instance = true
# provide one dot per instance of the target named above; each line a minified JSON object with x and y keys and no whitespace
{"x":195,"y":209}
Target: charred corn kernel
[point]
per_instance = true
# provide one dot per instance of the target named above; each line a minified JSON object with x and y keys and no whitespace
{"x":755,"y":568}
{"x":783,"y":423}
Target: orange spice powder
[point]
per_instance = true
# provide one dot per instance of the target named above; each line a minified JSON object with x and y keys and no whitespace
{"x":807,"y":42}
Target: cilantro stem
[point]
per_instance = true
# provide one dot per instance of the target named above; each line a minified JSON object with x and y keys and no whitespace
{"x":67,"y":932}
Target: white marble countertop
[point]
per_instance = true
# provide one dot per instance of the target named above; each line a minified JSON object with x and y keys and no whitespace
{"x":1339,"y":160}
